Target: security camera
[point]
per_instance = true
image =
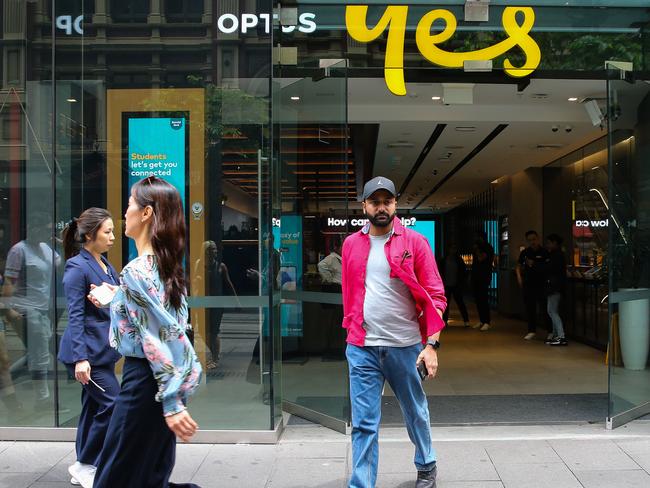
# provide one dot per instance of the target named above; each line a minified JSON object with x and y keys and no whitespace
{"x":555,"y":128}
{"x":568,"y":128}
{"x":595,"y":114}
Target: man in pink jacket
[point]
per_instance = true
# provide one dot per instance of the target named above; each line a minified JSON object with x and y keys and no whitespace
{"x":393,"y":300}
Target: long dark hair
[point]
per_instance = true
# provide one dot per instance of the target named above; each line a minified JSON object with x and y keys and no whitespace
{"x":167,"y":232}
{"x":86,"y":225}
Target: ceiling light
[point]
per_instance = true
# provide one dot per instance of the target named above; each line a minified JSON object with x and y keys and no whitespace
{"x":71,"y":100}
{"x":295,"y":98}
{"x":436,"y":98}
{"x":573,"y":99}
{"x":400,"y":144}
{"x":465,"y":129}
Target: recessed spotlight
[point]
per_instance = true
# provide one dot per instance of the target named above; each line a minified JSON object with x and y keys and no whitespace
{"x":436,"y":98}
{"x":573,"y":99}
{"x":71,"y":100}
{"x":295,"y":98}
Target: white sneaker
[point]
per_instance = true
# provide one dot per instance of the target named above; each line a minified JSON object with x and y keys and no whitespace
{"x":477,"y":325}
{"x":485,"y":327}
{"x":550,"y":336}
{"x":530,"y":336}
{"x":84,"y":474}
{"x":73,"y":481}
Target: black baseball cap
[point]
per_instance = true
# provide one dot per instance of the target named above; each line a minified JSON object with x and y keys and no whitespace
{"x":378,"y":183}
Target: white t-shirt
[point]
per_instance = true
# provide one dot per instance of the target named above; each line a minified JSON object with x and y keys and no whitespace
{"x":31,"y":266}
{"x":389,"y":313}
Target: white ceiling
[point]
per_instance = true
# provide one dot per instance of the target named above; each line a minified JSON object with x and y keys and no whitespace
{"x":529,"y":116}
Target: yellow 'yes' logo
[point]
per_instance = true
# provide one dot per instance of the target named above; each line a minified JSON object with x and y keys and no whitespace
{"x":395,"y":16}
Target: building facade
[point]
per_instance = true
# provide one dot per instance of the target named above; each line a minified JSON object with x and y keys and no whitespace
{"x":265,"y":118}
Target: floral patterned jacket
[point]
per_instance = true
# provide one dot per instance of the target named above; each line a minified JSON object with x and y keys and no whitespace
{"x":144,"y":325}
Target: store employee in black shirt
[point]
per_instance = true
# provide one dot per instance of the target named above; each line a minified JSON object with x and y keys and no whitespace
{"x":531,"y":277}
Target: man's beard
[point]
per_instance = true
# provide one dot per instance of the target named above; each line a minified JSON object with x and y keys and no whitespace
{"x":384,"y":221}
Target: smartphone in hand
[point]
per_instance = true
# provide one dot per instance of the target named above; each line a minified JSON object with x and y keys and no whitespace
{"x":103,"y":294}
{"x":422,"y":370}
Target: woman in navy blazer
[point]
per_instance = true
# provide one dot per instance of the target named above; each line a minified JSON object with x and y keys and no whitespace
{"x":85,"y":349}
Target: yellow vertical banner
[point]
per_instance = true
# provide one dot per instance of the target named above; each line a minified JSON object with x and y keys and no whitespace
{"x":190,"y":101}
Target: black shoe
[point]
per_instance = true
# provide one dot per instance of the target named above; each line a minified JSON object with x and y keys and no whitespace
{"x":559,"y":341}
{"x":427,"y":479}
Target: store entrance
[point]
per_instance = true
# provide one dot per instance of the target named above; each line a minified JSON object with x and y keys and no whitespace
{"x":472,"y":154}
{"x":485,"y":154}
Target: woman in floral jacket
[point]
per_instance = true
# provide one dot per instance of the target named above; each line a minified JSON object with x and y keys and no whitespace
{"x":148,"y":327}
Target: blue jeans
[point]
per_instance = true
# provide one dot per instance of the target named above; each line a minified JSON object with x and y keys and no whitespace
{"x":553,"y":309}
{"x":369,"y":367}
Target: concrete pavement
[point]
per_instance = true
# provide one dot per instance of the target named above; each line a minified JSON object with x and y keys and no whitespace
{"x":540,"y":456}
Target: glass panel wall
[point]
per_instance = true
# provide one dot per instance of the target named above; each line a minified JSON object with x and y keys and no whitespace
{"x":316,"y":167}
{"x":576,"y":199}
{"x":28,"y":255}
{"x":140,"y":88}
{"x":629,"y":295}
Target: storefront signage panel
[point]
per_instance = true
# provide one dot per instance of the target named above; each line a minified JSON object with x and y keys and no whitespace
{"x":156,"y":147}
{"x":394,"y":21}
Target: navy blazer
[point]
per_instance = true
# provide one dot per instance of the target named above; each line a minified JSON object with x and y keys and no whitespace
{"x":86,"y":336}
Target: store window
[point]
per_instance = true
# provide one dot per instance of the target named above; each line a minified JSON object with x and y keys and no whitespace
{"x":183,"y":10}
{"x":135,"y":11}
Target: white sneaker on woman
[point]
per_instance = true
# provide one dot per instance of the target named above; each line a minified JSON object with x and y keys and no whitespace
{"x":530,"y":336}
{"x":83,"y":474}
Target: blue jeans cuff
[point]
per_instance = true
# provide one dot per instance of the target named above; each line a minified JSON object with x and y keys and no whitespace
{"x":425,"y":467}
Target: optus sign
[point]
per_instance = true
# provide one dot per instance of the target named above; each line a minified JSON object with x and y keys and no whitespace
{"x":394,"y":19}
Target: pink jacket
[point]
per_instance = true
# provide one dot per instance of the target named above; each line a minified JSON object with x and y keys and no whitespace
{"x":411,"y":260}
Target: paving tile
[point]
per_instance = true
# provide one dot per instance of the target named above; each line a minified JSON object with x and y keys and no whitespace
{"x":404,"y":480}
{"x":316,"y":473}
{"x":608,"y":479}
{"x":242,"y":466}
{"x":189,"y":458}
{"x":469,"y":484}
{"x":592,"y":455}
{"x":521,"y":452}
{"x":551,"y":475}
{"x":308,"y":450}
{"x":17,"y":480}
{"x":51,"y":484}
{"x":5,"y":444}
{"x":466,"y":462}
{"x":33,"y":457}
{"x":59,"y":472}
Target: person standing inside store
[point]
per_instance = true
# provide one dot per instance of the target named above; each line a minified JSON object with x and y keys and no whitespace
{"x":148,"y":326}
{"x":214,"y":273}
{"x":393,"y":301}
{"x":329,"y":268}
{"x":555,"y":287}
{"x":85,"y":350}
{"x":26,"y":294}
{"x":532,"y":278}
{"x":482,"y":260}
{"x":454,"y":275}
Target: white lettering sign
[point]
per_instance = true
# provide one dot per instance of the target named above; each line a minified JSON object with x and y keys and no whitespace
{"x":67,"y":24}
{"x":231,"y":23}
{"x":592,"y":223}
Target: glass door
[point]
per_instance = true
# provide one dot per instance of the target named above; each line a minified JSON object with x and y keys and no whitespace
{"x":628,"y":115}
{"x":313,"y":158}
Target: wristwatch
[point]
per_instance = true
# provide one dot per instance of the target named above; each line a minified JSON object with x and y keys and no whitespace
{"x":433,"y":343}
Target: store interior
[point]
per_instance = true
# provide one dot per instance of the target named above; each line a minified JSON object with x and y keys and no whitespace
{"x":485,"y":156}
